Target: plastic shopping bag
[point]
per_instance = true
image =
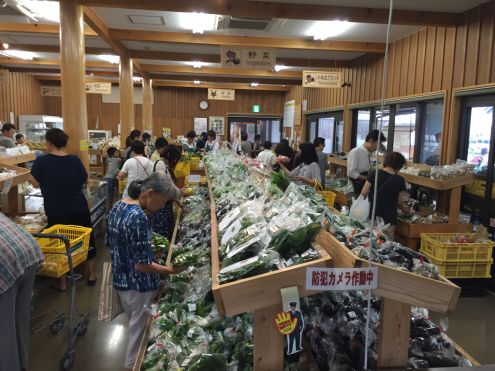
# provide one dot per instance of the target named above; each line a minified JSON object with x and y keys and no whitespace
{"x":360,"y":209}
{"x":110,"y":304}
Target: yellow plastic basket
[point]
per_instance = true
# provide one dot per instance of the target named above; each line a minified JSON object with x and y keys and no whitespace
{"x":472,"y":269}
{"x":328,"y":196}
{"x":57,"y":264}
{"x":454,"y":252}
{"x":122,"y":185}
{"x":194,"y":163}
{"x":182,"y":169}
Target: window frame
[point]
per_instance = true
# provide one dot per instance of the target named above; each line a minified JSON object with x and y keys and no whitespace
{"x":336,"y":115}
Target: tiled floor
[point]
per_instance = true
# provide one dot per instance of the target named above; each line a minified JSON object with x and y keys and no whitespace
{"x":103,"y":346}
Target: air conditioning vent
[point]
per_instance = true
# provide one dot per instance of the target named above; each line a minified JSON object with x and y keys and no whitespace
{"x":147,"y":19}
{"x":249,"y":23}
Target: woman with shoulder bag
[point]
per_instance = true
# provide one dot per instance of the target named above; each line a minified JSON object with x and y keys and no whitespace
{"x":138,"y":167}
{"x":308,"y":173}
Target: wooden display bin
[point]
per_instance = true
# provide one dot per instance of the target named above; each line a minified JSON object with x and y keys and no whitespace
{"x":13,"y":160}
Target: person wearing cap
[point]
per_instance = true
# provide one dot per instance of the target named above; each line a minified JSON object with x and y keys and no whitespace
{"x":358,"y":164}
{"x":295,"y":336}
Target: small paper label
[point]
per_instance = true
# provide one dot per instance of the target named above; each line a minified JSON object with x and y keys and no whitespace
{"x":250,"y":231}
{"x":190,"y":333}
{"x":178,"y":349}
{"x":228,"y":219}
{"x":274,"y":228}
{"x":192,"y":307}
{"x":292,"y":196}
{"x":220,"y":334}
{"x":151,"y":347}
{"x":232,"y":231}
{"x":269,"y":213}
{"x":307,"y":252}
{"x":289,"y":262}
{"x":281,"y":265}
{"x":7,"y":183}
{"x":351,"y":315}
{"x":240,"y":264}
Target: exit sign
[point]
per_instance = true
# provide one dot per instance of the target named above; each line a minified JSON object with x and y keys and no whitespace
{"x":256,"y":108}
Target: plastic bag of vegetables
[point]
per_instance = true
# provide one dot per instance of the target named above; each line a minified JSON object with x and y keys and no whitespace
{"x":207,"y":362}
{"x":185,"y":260}
{"x":251,"y":267}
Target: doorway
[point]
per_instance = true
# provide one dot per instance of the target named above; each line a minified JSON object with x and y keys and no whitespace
{"x":328,"y":125}
{"x":269,"y":128}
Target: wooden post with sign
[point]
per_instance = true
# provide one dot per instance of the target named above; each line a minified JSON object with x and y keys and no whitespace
{"x":73,"y":72}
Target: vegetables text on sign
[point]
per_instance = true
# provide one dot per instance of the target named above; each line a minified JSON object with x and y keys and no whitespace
{"x":341,"y":278}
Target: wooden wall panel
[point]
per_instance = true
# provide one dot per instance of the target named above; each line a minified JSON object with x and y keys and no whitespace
{"x":22,"y":95}
{"x":174,"y":107}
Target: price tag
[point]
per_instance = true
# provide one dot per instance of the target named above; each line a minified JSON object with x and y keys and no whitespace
{"x":274,"y":228}
{"x":192,"y":307}
{"x":7,"y":183}
{"x":151,"y":347}
{"x":352,"y":315}
{"x":289,"y":262}
{"x":228,"y":219}
{"x":281,"y":265}
{"x":232,"y":231}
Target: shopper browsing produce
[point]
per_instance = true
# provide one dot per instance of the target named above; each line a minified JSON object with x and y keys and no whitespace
{"x":162,"y":222}
{"x":8,"y":132}
{"x":160,"y":144}
{"x":148,"y":145}
{"x":61,"y":178}
{"x":283,"y":149}
{"x":20,"y":259}
{"x":308,"y":173}
{"x":391,"y":187}
{"x":267,"y":156}
{"x":135,"y":275}
{"x":189,"y":145}
{"x":246,"y":148}
{"x":212,"y":144}
{"x":114,"y":162}
{"x":257,"y":145}
{"x":138,"y":167}
{"x":135,"y":136}
{"x":322,"y":158}
{"x":358,"y":165}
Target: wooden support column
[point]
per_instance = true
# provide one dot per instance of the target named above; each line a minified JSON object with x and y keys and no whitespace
{"x":455,"y":205}
{"x":269,"y":349}
{"x":126,"y":87}
{"x":72,"y":66}
{"x":395,"y":323}
{"x":147,"y":105}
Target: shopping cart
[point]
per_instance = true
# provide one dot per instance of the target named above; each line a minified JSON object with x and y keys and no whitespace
{"x":60,"y":320}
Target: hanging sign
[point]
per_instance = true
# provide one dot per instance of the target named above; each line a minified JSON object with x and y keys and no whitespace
{"x":248,"y":58}
{"x":98,"y":88}
{"x":221,"y":94}
{"x":4,"y":76}
{"x":317,"y":79}
{"x":51,"y":91}
{"x":333,"y":279}
{"x":289,"y":113}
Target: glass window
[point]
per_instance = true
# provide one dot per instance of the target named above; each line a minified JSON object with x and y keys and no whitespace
{"x":312,"y":131}
{"x":363,"y":126}
{"x":326,"y":131}
{"x":405,"y":130}
{"x":339,"y":134}
{"x":385,"y":119}
{"x":431,"y":133}
{"x":275,"y":132}
{"x":480,"y":128}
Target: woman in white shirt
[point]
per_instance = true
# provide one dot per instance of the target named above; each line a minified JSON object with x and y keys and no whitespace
{"x":308,"y":173}
{"x":138,"y":167}
{"x":267,"y":156}
{"x":212,"y":144}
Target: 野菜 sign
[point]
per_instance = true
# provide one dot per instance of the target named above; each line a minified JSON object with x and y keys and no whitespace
{"x":333,"y":279}
{"x":317,"y":79}
{"x":221,"y":94}
{"x":248,"y":58}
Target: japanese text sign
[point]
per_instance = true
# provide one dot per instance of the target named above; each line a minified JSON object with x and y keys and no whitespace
{"x":316,"y":79}
{"x":98,"y":88}
{"x":248,"y":58}
{"x":221,"y":94}
{"x":333,"y":279}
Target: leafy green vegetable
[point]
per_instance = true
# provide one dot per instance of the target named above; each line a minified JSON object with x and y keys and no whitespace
{"x":182,"y":277}
{"x":280,"y":180}
{"x":185,"y":260}
{"x":207,"y":362}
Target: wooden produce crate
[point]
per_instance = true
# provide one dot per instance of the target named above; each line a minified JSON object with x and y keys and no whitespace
{"x":21,"y":177}
{"x":261,"y":291}
{"x":18,"y":159}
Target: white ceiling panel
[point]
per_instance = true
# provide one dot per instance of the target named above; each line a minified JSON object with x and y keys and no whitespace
{"x":450,"y":6}
{"x":291,"y":28}
{"x":169,"y":47}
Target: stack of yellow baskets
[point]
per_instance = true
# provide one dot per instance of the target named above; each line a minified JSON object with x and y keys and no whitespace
{"x":457,"y":260}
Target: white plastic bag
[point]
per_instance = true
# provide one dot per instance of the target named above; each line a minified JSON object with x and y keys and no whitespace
{"x":360,"y":209}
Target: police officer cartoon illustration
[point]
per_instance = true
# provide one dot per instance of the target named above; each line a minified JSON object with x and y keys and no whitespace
{"x":296,"y":335}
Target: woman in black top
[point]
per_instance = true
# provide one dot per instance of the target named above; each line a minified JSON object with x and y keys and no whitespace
{"x":61,"y":178}
{"x":283,"y":149}
{"x":391,"y":187}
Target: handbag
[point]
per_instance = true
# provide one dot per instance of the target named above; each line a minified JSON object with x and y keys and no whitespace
{"x":110,"y":304}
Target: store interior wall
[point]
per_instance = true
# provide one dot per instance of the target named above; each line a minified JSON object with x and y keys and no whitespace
{"x":432,"y":59}
{"x":22,"y":96}
{"x":174,"y":107}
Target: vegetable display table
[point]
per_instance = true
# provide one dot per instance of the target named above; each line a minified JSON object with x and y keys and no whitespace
{"x":12,"y":198}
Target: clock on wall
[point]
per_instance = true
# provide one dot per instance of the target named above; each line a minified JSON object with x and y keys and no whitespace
{"x":203,"y":104}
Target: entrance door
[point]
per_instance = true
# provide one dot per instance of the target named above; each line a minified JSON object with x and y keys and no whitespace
{"x":268,"y":128}
{"x":477,"y":146}
{"x":329,"y":126}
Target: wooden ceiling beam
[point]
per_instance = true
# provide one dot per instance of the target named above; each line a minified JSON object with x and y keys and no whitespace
{"x":38,"y":28}
{"x":53,"y":62}
{"x":214,"y":86}
{"x":34,"y":70}
{"x":220,"y":71}
{"x":235,"y":80}
{"x":261,"y":42}
{"x":287,"y":10}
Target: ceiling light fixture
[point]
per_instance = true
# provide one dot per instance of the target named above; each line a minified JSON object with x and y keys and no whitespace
{"x":5,"y":45}
{"x":114,"y":59}
{"x":324,"y":30}
{"x":196,"y":82}
{"x":137,"y":78}
{"x":197,"y":64}
{"x":279,"y":67}
{"x":18,"y":54}
{"x":254,"y":84}
{"x":197,"y":22}
{"x":40,"y":9}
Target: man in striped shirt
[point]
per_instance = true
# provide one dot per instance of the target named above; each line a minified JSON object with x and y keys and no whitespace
{"x":20,"y":258}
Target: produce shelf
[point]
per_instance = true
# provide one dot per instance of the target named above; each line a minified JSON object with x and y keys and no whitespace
{"x":21,"y":177}
{"x":13,"y":160}
{"x":439,"y":185}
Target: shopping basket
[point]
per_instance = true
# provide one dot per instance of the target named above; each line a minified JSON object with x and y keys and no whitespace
{"x":182,"y":169}
{"x":463,"y":269}
{"x":328,"y":196}
{"x":194,"y":163}
{"x":56,"y":262}
{"x":434,"y":246}
{"x":122,"y":185}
